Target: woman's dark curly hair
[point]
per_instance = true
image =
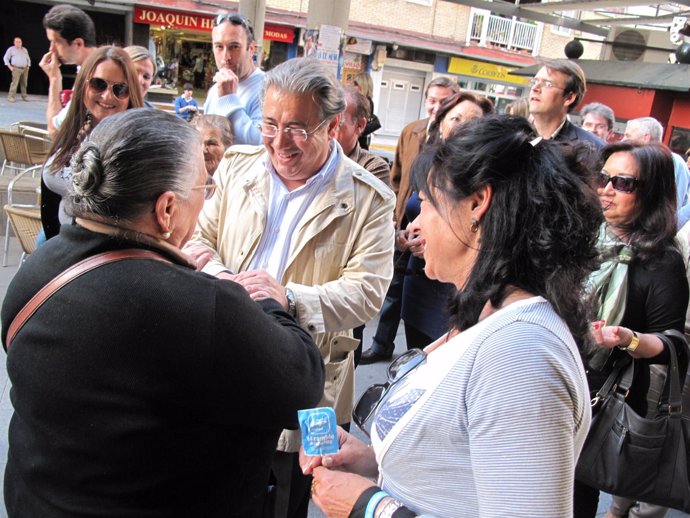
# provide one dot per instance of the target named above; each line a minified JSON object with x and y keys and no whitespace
{"x":653,"y":230}
{"x":540,"y":230}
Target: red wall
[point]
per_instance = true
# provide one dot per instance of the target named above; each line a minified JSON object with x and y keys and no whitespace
{"x":626,"y":103}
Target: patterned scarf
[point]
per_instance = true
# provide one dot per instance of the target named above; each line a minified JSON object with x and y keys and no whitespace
{"x":609,"y":285}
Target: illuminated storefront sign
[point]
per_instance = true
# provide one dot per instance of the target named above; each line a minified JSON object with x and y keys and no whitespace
{"x":482,"y":70}
{"x":201,"y":22}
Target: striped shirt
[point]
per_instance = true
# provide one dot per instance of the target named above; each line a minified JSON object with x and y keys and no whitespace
{"x":285,"y":211}
{"x":500,"y":433}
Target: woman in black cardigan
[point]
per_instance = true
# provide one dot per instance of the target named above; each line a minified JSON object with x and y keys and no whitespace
{"x":144,"y":388}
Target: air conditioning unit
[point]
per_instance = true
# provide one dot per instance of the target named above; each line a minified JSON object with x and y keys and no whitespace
{"x":627,"y":44}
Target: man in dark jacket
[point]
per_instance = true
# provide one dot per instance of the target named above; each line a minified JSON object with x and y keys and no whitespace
{"x":555,"y":91}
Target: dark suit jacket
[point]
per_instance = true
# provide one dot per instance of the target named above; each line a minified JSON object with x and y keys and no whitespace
{"x":570,"y":132}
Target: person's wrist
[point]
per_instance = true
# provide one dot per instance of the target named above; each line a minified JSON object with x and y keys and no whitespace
{"x":632,"y":344}
{"x":361,"y":505}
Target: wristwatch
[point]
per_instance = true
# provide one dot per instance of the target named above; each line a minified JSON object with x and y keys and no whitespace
{"x":292,"y":304}
{"x":634,"y":342}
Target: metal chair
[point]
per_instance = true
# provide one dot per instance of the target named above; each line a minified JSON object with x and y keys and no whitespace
{"x":26,"y":223}
{"x":15,"y":147}
{"x":25,"y":182}
{"x":18,"y":159}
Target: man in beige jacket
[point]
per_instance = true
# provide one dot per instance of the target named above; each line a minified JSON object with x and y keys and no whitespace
{"x":299,"y":222}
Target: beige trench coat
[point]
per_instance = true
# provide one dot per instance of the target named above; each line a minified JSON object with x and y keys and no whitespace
{"x":340,"y":265}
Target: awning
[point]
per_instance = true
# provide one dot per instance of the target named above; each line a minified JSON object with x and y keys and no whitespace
{"x":652,"y":76}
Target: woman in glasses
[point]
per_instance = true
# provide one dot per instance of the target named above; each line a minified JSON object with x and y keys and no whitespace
{"x":490,"y":420}
{"x":143,"y":387}
{"x":107,"y":84}
{"x":641,"y":287}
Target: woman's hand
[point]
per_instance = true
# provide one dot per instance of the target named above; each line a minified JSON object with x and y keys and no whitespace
{"x":336,"y":492}
{"x":609,"y":337}
{"x":415,"y":243}
{"x":353,"y":456}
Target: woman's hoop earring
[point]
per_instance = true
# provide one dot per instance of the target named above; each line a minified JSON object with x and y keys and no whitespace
{"x":474,"y":227}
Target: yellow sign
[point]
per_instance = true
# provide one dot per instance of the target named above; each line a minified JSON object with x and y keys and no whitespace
{"x":490,"y":71}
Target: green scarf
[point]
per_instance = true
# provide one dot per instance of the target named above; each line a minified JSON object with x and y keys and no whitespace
{"x":609,"y":285}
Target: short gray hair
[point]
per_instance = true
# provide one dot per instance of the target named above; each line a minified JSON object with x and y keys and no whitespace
{"x":648,"y":126}
{"x":443,"y":82}
{"x":308,"y":76}
{"x":129,"y":160}
{"x":601,"y":110}
{"x":218,"y":122}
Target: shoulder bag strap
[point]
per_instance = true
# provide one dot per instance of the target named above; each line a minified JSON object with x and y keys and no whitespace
{"x":74,"y":271}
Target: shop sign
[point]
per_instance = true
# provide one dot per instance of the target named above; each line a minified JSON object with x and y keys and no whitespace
{"x":201,"y":22}
{"x":358,"y":46}
{"x":352,"y":61}
{"x":278,"y":33}
{"x":176,"y":19}
{"x":488,"y":71}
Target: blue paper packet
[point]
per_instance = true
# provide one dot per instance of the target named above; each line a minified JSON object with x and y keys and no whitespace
{"x":319,"y":430}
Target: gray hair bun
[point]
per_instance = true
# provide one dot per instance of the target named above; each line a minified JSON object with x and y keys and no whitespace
{"x":87,"y":170}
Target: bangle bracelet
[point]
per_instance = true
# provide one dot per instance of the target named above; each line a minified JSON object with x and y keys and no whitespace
{"x":360,"y":506}
{"x":373,"y":502}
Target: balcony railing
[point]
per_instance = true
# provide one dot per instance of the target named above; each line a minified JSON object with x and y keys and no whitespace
{"x":491,"y":30}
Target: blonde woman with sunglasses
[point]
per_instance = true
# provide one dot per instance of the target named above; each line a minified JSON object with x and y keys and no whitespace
{"x":107,"y":84}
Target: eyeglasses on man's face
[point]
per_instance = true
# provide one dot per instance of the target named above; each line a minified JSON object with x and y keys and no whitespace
{"x":543,"y":84}
{"x":372,"y":397}
{"x":98,"y":85}
{"x":209,"y":187}
{"x":296,"y":134}
{"x":620,"y":183}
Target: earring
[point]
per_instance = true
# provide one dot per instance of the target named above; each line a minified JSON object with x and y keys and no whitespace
{"x":474,"y":227}
{"x":166,"y":235}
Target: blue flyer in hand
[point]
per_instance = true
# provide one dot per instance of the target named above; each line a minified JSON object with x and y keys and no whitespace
{"x":319,"y":430}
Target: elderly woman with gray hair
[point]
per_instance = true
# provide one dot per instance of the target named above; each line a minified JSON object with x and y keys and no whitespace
{"x":143,"y":387}
{"x":216,"y":134}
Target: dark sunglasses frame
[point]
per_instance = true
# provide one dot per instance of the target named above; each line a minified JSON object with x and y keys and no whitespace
{"x":620,"y":183}
{"x":120,"y":90}
{"x":372,"y":397}
{"x":235,"y":19}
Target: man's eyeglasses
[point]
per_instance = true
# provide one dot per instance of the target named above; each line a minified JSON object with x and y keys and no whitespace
{"x":235,"y":19}
{"x":209,"y":187}
{"x":296,"y":134}
{"x":120,"y":90}
{"x":621,"y":183}
{"x":544,"y":84}
{"x":373,"y":396}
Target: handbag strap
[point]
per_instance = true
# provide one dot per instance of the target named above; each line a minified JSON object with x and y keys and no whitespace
{"x":672,"y":404}
{"x":73,"y":272}
{"x":621,"y":378}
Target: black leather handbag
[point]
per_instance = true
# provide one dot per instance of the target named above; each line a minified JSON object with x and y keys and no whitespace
{"x":635,"y":457}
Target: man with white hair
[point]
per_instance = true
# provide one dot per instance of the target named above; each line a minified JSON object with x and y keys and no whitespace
{"x":647,"y":129}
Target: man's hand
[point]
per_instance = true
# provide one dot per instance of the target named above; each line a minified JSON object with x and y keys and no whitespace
{"x":50,"y":64}
{"x":10,"y":67}
{"x":261,"y":285}
{"x":227,"y":82}
{"x":200,"y":253}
